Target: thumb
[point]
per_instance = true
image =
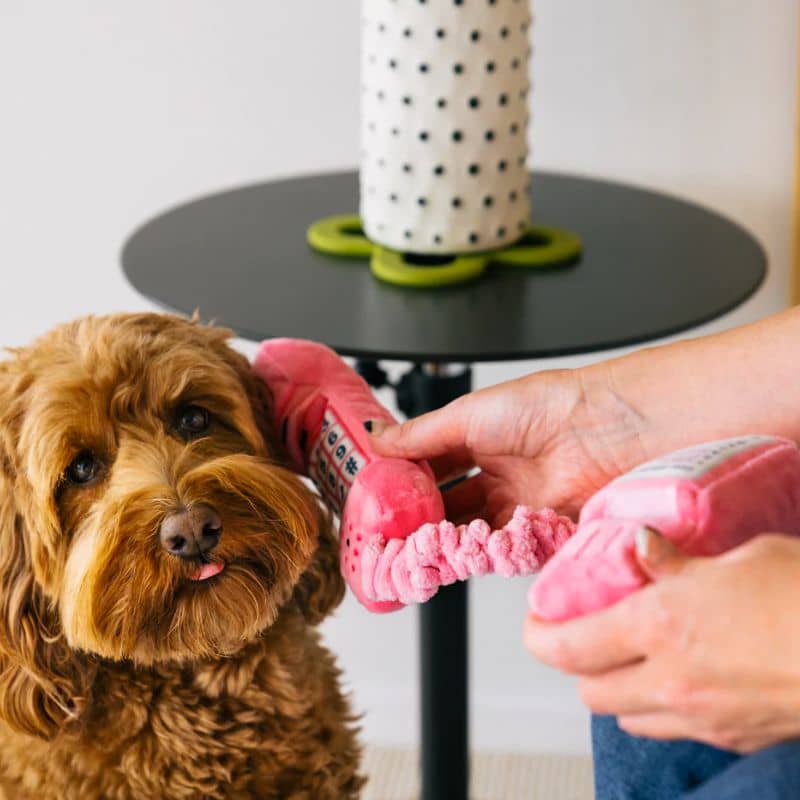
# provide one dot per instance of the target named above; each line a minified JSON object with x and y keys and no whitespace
{"x":657,"y":556}
{"x":432,"y":434}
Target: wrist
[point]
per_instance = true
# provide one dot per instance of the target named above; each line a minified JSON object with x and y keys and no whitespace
{"x":742,"y":381}
{"x":671,"y":396}
{"x":608,"y":420}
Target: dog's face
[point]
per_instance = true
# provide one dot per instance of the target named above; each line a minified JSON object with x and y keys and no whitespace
{"x":144,"y":514}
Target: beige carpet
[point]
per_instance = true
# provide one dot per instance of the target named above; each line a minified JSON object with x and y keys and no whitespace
{"x":393,"y":775}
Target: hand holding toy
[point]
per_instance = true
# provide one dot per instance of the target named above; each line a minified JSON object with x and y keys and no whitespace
{"x":705,"y":499}
{"x":396,"y":547}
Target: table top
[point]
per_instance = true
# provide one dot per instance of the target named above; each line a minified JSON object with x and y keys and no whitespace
{"x":652,"y":265}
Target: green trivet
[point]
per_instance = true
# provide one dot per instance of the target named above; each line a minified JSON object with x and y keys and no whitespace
{"x":539,"y":246}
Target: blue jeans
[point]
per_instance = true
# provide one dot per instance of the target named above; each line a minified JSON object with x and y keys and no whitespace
{"x":629,"y":768}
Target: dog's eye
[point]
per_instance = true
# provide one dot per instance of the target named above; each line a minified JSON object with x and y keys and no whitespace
{"x":192,"y":420}
{"x":83,"y":469}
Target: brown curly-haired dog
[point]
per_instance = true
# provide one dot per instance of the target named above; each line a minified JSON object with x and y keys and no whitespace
{"x":161,"y":575}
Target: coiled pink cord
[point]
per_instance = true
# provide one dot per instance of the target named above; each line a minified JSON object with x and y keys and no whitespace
{"x":411,"y":570}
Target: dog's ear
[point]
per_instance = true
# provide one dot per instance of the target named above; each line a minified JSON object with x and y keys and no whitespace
{"x":321,"y":587}
{"x":43,"y":684}
{"x":256,"y":391}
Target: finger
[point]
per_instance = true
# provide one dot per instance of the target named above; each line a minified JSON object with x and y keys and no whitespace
{"x":448,"y":466}
{"x":594,"y":643}
{"x":659,"y":725}
{"x":628,"y":690}
{"x":433,"y":434}
{"x":657,"y":555}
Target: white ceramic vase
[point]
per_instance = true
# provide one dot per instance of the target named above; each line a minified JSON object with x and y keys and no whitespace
{"x":444,"y":119}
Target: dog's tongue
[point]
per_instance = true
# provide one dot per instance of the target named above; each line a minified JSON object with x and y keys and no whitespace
{"x":207,"y":571}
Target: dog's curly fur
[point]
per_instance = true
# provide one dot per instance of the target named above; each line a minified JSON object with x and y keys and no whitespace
{"x":119,"y":676}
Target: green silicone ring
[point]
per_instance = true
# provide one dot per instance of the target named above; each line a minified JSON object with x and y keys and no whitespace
{"x":341,"y":235}
{"x":540,"y":247}
{"x":393,"y":267}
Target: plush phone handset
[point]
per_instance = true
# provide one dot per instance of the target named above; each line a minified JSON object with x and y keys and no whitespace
{"x":706,"y":499}
{"x":320,"y":406}
{"x":396,"y":547}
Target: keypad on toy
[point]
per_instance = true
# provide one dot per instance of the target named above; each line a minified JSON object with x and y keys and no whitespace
{"x":335,"y":461}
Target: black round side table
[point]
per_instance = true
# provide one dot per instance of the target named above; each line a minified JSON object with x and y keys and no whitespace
{"x":652,"y":265}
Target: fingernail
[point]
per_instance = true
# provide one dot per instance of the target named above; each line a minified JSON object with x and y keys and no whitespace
{"x":650,"y":544}
{"x":643,"y":542}
{"x":375,"y":426}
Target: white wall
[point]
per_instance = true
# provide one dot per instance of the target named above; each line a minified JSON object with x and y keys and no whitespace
{"x":111,"y":110}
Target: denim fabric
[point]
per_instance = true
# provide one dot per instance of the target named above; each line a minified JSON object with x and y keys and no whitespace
{"x":629,"y":768}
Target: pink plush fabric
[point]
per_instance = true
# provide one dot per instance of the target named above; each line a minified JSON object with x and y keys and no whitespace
{"x":320,"y":405}
{"x":593,"y":570}
{"x":706,"y":499}
{"x":411,"y":570}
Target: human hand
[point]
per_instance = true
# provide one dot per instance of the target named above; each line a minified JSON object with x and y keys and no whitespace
{"x":710,"y":651}
{"x":550,"y":439}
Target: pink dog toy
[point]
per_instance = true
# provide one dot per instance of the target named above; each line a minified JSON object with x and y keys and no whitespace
{"x":396,"y":547}
{"x":705,"y":499}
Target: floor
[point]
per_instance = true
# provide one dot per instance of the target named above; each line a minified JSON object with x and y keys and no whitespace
{"x":495,"y":776}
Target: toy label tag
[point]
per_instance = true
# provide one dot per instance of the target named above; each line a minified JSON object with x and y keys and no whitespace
{"x":335,"y":461}
{"x":694,"y":462}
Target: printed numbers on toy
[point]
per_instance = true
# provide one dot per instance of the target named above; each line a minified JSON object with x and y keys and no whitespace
{"x":335,"y":461}
{"x":353,"y":464}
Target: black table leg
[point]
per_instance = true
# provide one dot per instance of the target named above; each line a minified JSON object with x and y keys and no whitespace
{"x":444,"y":675}
{"x":443,"y":627}
{"x":443,"y":619}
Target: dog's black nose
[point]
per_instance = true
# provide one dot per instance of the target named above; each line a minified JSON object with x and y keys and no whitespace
{"x":191,"y":533}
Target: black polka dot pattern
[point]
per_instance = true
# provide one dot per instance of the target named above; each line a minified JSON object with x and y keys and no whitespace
{"x":444,"y":123}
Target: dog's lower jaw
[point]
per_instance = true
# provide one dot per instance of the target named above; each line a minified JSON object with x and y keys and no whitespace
{"x":271,"y":722}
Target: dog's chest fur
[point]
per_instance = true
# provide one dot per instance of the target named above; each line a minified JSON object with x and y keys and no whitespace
{"x":270,"y":723}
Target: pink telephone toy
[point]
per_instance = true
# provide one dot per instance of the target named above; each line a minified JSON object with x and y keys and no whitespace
{"x":396,"y":547}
